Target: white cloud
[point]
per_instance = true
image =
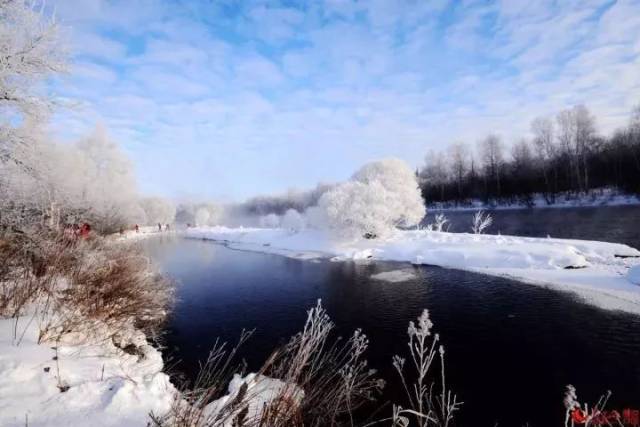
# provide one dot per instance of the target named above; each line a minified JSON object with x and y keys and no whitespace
{"x":330,"y":85}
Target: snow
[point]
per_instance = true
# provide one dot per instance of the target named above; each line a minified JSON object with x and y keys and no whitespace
{"x":633,"y":275}
{"x":395,"y":276}
{"x":602,"y":197}
{"x":596,"y":271}
{"x":260,"y":392}
{"x":107,"y":386}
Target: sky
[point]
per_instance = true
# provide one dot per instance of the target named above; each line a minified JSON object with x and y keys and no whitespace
{"x":229,"y":99}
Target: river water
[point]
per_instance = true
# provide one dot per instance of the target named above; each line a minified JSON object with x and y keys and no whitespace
{"x":511,"y":348}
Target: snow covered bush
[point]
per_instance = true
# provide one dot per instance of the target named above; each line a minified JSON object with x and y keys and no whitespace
{"x":202,"y":217}
{"x":158,"y":210}
{"x":481,"y":222}
{"x":380,"y":196}
{"x":270,"y":221}
{"x":292,"y":220}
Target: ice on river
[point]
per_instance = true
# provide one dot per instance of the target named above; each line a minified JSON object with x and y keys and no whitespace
{"x":395,"y":276}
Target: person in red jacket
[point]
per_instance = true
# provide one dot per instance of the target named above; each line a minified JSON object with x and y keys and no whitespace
{"x":85,"y":230}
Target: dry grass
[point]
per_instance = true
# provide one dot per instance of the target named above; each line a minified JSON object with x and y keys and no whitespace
{"x":80,"y":286}
{"x":320,"y":383}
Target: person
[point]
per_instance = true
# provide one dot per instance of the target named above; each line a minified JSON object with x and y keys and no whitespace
{"x":137,"y":228}
{"x":85,"y":230}
{"x":121,"y":231}
{"x":166,"y":227}
{"x":159,"y":227}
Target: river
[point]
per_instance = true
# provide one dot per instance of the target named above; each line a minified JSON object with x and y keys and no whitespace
{"x":511,"y":348}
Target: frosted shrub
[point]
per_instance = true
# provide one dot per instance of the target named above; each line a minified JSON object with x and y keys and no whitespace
{"x":315,"y":379}
{"x":428,"y":405}
{"x":292,"y":220}
{"x":380,"y":196}
{"x":270,"y":221}
{"x":354,"y":209}
{"x":402,"y":190}
{"x":439,"y":224}
{"x":202,"y":217}
{"x":158,"y":210}
{"x":481,"y":222}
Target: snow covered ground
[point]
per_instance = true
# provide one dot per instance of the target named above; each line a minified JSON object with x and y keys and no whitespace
{"x":603,"y":197}
{"x":597,"y":271}
{"x":92,"y":383}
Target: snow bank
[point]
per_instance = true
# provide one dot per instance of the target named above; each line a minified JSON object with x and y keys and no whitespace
{"x":107,"y":386}
{"x":594,"y":270}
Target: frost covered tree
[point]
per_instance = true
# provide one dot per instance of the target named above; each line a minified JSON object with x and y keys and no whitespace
{"x":107,"y":181}
{"x":270,"y":221}
{"x":158,"y":210}
{"x":379,"y":197}
{"x":292,"y":220}
{"x":30,"y":51}
{"x":202,"y":217}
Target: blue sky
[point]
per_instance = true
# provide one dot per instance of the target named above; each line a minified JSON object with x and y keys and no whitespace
{"x":228,"y":99}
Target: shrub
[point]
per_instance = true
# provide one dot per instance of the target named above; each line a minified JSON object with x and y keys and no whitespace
{"x":80,"y":285}
{"x":381,"y":196}
{"x":292,"y":220}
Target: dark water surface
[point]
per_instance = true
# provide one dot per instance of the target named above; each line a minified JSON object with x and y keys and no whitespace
{"x":619,"y":224}
{"x":510,"y":347}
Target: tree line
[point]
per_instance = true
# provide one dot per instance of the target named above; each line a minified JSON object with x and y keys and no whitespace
{"x":566,"y":154}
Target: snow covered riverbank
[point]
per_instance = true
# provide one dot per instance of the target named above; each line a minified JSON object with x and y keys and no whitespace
{"x":79,"y":381}
{"x":597,"y":271}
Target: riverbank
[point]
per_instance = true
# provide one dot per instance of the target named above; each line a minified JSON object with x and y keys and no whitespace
{"x":79,"y":380}
{"x":596,"y":198}
{"x":596,"y":271}
{"x":75,"y":318}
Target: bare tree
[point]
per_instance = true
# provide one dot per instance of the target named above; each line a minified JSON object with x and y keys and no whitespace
{"x":459,"y":163}
{"x":543,"y":142}
{"x":435,"y":171}
{"x":576,"y":136}
{"x":492,"y":155}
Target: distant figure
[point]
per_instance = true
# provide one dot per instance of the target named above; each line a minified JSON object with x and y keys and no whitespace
{"x":166,"y":227}
{"x":137,"y":228}
{"x":121,"y":231}
{"x":85,"y":230}
{"x":159,"y":227}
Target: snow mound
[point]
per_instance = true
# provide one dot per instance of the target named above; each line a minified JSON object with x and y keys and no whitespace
{"x":103,"y":385}
{"x":395,"y":276}
{"x":260,"y":392}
